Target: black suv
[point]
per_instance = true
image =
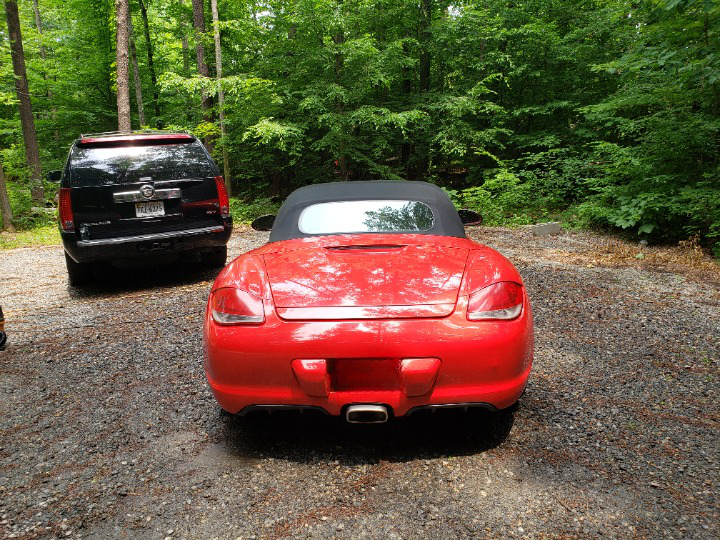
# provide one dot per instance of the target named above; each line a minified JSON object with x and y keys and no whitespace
{"x":130,"y":195}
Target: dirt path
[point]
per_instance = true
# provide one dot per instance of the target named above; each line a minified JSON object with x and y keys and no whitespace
{"x":108,"y":429}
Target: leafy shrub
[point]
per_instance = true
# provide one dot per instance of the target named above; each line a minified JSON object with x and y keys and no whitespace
{"x":245,"y":212}
{"x":27,"y":214}
{"x":505,"y":199}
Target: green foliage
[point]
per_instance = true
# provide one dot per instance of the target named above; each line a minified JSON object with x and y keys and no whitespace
{"x":246,"y":212}
{"x":603,"y":112}
{"x":504,"y":199}
{"x":27,"y":215}
{"x":47,"y":235}
{"x":278,"y":136}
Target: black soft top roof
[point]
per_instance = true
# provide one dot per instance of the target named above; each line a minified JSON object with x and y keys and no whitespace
{"x":447,"y":220}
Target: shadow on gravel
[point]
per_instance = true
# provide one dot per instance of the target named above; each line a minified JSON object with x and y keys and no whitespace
{"x":108,"y":279}
{"x":311,"y":436}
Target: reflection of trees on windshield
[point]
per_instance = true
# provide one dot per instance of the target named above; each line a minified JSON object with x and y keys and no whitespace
{"x":92,"y":166}
{"x":412,"y":216}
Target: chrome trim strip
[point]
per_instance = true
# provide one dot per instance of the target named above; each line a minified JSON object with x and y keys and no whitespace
{"x":136,"y":196}
{"x":144,"y":237}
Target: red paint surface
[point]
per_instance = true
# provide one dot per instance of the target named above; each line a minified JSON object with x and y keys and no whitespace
{"x":351,"y":374}
{"x":418,"y":375}
{"x":477,"y":361}
{"x":417,"y":273}
{"x":313,"y":376}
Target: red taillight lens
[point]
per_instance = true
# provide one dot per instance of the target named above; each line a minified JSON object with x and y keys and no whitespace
{"x":233,"y":306}
{"x":65,"y":210}
{"x":503,"y":300}
{"x":223,"y":200}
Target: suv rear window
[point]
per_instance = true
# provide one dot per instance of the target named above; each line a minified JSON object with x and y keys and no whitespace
{"x":103,"y":165}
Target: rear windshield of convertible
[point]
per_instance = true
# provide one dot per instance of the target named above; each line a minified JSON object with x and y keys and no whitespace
{"x":103,"y":165}
{"x":366,"y":216}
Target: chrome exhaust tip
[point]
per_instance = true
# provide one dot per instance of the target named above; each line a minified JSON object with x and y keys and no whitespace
{"x":366,"y":414}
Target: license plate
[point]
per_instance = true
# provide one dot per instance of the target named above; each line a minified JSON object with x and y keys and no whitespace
{"x":146,"y":209}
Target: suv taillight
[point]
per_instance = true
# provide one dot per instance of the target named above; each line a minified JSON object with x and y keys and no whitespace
{"x":67,"y":223}
{"x":223,"y":200}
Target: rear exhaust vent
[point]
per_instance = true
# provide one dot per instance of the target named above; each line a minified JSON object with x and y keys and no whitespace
{"x":366,"y":414}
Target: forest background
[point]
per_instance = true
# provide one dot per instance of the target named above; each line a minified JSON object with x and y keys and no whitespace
{"x":599,"y":113}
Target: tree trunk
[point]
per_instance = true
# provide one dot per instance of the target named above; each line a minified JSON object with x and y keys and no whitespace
{"x":43,"y":56}
{"x":151,"y":63}
{"x":32,"y":153}
{"x":185,"y":45}
{"x":185,"y":55}
{"x":221,"y":94}
{"x":136,"y":77}
{"x":425,"y":37}
{"x":38,"y":24}
{"x":122,"y":12}
{"x":199,"y":24}
{"x":405,"y":146}
{"x":339,"y":39}
{"x":425,"y":21}
{"x":5,"y":210}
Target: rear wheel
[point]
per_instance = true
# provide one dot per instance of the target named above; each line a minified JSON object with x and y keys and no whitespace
{"x":215,"y":258}
{"x":78,"y":273}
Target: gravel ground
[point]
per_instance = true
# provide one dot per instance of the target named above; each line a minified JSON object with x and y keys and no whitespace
{"x":110,"y":431}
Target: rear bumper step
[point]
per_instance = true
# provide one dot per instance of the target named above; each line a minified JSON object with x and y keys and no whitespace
{"x":149,"y":237}
{"x":376,"y":409}
{"x":272,"y":408}
{"x":443,"y":406}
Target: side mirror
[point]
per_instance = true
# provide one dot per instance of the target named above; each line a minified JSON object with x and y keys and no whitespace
{"x":53,"y":176}
{"x":470,"y":217}
{"x":263,"y":223}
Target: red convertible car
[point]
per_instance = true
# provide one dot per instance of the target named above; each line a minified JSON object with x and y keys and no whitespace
{"x":368,"y":302}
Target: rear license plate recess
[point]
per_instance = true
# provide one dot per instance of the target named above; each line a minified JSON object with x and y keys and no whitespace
{"x":347,"y":374}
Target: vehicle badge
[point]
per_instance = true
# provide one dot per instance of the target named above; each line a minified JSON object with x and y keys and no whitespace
{"x":147,"y":190}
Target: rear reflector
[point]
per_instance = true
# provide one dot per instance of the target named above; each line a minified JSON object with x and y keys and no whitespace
{"x":223,"y":200}
{"x":67,"y":222}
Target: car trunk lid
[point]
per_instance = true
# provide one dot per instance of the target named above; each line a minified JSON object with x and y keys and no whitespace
{"x":366,"y":280}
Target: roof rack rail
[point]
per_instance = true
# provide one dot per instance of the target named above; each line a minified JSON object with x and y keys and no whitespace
{"x":133,"y":132}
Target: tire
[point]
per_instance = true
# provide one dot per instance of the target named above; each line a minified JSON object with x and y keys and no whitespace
{"x":217,"y":258}
{"x":3,"y":340}
{"x":78,"y":273}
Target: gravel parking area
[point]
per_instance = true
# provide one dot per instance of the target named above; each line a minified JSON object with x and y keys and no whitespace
{"x":108,"y":429}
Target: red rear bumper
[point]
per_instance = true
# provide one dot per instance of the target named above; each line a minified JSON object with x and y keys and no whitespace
{"x":479,"y":362}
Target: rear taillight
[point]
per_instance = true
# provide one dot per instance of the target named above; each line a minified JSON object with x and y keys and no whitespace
{"x":223,"y":200}
{"x":502,"y":300}
{"x":234,"y":306}
{"x":67,"y":223}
